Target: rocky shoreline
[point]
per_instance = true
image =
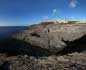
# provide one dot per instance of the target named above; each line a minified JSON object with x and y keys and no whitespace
{"x":46,"y":46}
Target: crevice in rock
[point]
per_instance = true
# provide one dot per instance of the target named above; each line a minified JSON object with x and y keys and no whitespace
{"x":35,"y":34}
{"x":48,"y":38}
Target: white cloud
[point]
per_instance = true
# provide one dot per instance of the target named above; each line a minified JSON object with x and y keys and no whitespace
{"x":54,"y":11}
{"x":46,"y":17}
{"x":72,"y":17}
{"x":73,"y":3}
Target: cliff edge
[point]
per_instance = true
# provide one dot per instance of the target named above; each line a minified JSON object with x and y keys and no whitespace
{"x":52,"y":36}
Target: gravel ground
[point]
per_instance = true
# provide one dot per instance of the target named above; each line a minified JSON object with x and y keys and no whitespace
{"x":73,"y":61}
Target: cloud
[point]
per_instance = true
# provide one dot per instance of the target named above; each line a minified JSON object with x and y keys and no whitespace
{"x":72,"y":17}
{"x":73,"y":3}
{"x":54,"y":11}
{"x":46,"y":17}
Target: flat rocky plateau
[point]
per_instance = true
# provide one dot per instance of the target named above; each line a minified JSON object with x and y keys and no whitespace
{"x":46,"y":46}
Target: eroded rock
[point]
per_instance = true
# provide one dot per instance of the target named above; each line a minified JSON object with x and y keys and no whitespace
{"x":52,"y":37}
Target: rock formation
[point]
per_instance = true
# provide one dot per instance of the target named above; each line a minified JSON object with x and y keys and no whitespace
{"x":50,"y":36}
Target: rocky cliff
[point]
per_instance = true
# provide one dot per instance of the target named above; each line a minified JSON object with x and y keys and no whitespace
{"x":32,"y":48}
{"x":52,"y":36}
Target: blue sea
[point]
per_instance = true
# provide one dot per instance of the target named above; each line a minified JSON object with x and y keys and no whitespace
{"x":6,"y":31}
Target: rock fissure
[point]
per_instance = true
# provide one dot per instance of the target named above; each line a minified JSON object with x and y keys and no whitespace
{"x":35,"y":34}
{"x":48,"y":31}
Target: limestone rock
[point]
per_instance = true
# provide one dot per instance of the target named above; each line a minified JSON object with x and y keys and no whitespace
{"x":51,"y":36}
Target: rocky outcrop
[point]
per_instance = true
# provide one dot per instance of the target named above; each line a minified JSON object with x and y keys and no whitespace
{"x":53,"y":37}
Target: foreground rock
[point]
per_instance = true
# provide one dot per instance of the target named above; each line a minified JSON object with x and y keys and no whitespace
{"x":50,"y":36}
{"x":74,"y":61}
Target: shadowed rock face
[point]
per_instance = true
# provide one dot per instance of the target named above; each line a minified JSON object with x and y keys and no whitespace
{"x":52,"y":37}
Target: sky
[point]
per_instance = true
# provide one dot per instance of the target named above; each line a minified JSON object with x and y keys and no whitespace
{"x":27,"y":12}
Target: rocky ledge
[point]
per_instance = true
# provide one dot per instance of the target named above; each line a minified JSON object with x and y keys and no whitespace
{"x":54,"y":37}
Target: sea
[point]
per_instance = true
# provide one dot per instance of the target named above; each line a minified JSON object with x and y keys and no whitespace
{"x":6,"y":31}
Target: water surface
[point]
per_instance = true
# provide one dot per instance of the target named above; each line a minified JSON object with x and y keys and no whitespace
{"x":6,"y":31}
